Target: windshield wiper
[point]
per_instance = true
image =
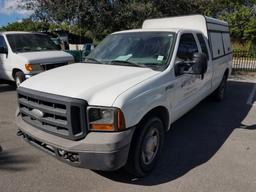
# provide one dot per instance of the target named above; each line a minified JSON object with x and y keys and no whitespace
{"x":127,"y":63}
{"x":90,"y":59}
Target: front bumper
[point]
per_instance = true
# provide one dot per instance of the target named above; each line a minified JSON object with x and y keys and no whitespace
{"x":97,"y":151}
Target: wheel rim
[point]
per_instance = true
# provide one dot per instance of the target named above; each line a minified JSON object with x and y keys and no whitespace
{"x":150,"y":145}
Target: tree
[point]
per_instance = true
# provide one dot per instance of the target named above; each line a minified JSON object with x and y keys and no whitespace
{"x":105,"y":16}
{"x":242,"y":22}
{"x":26,"y":25}
{"x":101,"y":17}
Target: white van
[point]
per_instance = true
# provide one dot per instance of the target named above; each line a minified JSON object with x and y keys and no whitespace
{"x":114,"y":109}
{"x":23,"y":54}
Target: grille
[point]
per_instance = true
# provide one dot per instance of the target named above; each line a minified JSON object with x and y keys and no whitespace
{"x":62,"y":116}
{"x":52,"y":66}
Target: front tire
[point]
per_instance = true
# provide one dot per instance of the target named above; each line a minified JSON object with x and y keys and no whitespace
{"x":19,"y":77}
{"x":146,"y":147}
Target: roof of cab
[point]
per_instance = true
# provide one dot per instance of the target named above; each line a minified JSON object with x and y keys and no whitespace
{"x":147,"y":30}
{"x":174,"y":30}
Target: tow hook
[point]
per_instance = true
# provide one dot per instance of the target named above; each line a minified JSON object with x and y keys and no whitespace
{"x":68,"y":156}
{"x":20,"y":133}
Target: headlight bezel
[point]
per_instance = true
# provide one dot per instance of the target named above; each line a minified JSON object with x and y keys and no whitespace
{"x":33,"y":67}
{"x":116,"y":122}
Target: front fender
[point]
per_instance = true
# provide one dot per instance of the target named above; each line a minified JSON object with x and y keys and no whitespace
{"x":140,"y":105}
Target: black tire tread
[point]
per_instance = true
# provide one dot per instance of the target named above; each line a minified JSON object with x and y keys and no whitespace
{"x":216,"y":94}
{"x":133,"y":163}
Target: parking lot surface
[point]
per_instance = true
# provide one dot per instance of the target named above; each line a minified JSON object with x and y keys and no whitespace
{"x":211,"y":148}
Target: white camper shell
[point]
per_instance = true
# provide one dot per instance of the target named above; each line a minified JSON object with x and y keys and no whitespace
{"x":216,"y":31}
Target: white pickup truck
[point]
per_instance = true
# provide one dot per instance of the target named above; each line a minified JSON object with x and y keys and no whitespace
{"x":23,"y":54}
{"x":114,"y":109}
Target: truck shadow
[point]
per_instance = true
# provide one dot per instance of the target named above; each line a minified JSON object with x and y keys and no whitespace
{"x":196,"y":137}
{"x":6,"y":86}
{"x":12,"y":162}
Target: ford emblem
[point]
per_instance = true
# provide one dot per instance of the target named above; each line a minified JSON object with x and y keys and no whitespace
{"x":37,"y":113}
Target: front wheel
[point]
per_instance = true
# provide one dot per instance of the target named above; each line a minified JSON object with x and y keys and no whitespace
{"x":146,"y":147}
{"x":19,"y":77}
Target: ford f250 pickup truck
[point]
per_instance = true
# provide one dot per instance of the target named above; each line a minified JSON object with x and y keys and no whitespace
{"x":114,"y":109}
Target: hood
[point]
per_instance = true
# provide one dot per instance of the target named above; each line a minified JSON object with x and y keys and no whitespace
{"x":98,"y":84}
{"x":44,"y":57}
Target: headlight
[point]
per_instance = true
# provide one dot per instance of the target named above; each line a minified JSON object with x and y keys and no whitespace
{"x":105,"y":119}
{"x":33,"y":67}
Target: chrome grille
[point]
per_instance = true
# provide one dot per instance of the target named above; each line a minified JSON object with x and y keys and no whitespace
{"x":62,"y":116}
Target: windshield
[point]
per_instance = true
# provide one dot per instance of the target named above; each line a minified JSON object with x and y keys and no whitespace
{"x":139,"y":49}
{"x":30,"y":42}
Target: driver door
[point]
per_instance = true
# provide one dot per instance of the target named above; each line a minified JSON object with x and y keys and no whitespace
{"x":187,"y":85}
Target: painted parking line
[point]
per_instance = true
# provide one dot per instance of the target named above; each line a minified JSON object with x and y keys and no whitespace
{"x":250,"y":100}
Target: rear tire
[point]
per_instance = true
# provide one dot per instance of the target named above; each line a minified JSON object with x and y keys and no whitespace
{"x":19,"y":77}
{"x":146,"y":147}
{"x":219,"y":93}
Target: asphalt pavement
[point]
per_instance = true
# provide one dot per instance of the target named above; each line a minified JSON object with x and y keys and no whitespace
{"x":212,"y":148}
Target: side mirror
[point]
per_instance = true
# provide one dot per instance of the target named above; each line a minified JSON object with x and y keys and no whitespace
{"x":3,"y":50}
{"x":200,"y":63}
{"x":181,"y":67}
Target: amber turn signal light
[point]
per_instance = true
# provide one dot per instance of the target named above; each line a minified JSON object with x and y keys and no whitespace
{"x":28,"y":67}
{"x":102,"y":127}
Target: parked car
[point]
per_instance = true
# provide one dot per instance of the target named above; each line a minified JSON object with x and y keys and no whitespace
{"x":115,"y":109}
{"x":23,"y":54}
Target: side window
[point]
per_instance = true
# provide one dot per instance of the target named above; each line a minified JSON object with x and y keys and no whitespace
{"x":187,"y":47}
{"x":2,"y":42}
{"x":203,"y":44}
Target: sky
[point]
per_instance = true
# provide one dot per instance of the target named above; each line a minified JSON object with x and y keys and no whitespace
{"x":10,"y":12}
